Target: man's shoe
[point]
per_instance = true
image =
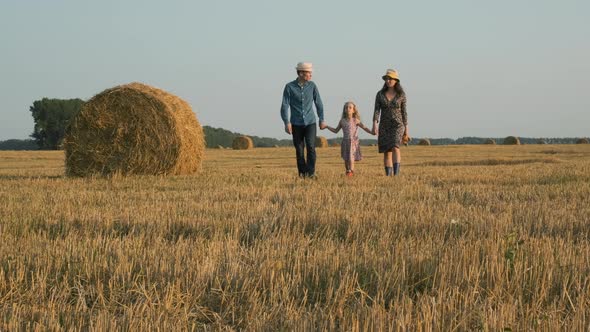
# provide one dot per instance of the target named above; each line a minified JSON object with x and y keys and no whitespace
{"x":312,"y":176}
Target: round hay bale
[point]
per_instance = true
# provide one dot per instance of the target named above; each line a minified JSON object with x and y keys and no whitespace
{"x":511,"y":140}
{"x":424,"y":141}
{"x":321,"y":142}
{"x":490,"y":141}
{"x":583,"y":141}
{"x":541,"y":141}
{"x":134,"y":129}
{"x":242,"y":143}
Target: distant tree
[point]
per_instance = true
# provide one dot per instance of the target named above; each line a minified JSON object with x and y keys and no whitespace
{"x":51,"y":117}
{"x":18,"y":144}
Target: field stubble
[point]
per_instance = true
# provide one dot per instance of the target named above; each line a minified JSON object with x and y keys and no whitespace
{"x":467,"y":238}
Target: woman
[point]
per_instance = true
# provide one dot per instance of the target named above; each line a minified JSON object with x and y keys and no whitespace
{"x":390,"y":114}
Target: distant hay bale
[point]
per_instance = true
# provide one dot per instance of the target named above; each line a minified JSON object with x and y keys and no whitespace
{"x":490,"y":141}
{"x":511,"y":140}
{"x":583,"y":141}
{"x":541,"y":141}
{"x":134,"y":129}
{"x":242,"y":143}
{"x":424,"y":141}
{"x":220,"y":147}
{"x":321,"y":142}
{"x":276,"y":146}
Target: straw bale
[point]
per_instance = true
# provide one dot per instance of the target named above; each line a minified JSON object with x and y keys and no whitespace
{"x":583,"y":141}
{"x":511,"y":140}
{"x":242,"y":143}
{"x":134,"y":129}
{"x":490,"y":141}
{"x":321,"y":142}
{"x":424,"y":141}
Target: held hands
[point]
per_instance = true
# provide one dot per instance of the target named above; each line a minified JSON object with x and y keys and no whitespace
{"x":288,"y":129}
{"x":323,"y":125}
{"x":375,"y":130}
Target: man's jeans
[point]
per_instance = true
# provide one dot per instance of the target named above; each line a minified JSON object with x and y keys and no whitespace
{"x":305,"y":136}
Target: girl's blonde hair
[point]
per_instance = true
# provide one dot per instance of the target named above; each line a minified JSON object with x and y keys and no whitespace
{"x":355,"y":114}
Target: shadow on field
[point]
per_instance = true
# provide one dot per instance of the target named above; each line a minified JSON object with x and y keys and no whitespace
{"x":488,"y":162}
{"x":30,"y":177}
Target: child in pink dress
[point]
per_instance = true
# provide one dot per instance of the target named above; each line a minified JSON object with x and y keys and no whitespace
{"x":350,"y":148}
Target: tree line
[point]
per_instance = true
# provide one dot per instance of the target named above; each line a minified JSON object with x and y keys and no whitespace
{"x":51,"y":117}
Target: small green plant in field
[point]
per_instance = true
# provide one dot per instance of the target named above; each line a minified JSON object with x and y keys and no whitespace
{"x":512,"y":245}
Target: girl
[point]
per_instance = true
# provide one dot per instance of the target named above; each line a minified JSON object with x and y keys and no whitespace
{"x":390,"y":113}
{"x":349,"y":123}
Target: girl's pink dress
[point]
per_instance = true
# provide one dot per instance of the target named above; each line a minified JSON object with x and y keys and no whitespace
{"x":350,"y":148}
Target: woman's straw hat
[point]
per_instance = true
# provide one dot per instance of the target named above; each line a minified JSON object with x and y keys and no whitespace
{"x":304,"y":66}
{"x":392,"y":74}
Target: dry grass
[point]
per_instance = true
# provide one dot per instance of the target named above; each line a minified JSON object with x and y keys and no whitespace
{"x":248,"y":245}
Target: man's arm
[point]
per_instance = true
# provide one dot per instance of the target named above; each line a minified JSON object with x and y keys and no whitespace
{"x":285,"y":110}
{"x":319,"y":106}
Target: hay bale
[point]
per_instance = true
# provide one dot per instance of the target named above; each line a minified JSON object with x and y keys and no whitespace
{"x":321,"y":142}
{"x":242,"y":143}
{"x":583,"y":141}
{"x":220,"y":147}
{"x":424,"y":141}
{"x":276,"y":146}
{"x":490,"y":141}
{"x":134,"y":129}
{"x":511,"y":140}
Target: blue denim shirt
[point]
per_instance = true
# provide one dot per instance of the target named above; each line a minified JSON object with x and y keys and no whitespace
{"x":300,"y":99}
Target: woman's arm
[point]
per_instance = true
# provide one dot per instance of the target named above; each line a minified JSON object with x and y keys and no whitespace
{"x":376,"y":115}
{"x":405,"y":116}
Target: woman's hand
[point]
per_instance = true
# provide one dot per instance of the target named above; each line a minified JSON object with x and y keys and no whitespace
{"x":406,"y":138}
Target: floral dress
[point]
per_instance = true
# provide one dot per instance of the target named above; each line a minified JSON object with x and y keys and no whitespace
{"x":350,"y":148}
{"x":392,"y":118}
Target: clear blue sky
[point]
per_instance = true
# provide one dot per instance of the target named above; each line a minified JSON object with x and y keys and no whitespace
{"x":470,"y":68}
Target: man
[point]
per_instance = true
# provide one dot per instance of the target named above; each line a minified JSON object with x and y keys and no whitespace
{"x":300,"y":95}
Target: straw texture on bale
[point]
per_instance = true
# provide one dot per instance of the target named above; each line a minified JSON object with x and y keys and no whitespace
{"x":424,"y":141}
{"x":134,"y":129}
{"x":583,"y":141}
{"x":490,"y":141}
{"x":242,"y":143}
{"x":321,"y":142}
{"x":511,"y":140}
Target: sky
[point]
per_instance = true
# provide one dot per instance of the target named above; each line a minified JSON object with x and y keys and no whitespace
{"x":469,"y":68}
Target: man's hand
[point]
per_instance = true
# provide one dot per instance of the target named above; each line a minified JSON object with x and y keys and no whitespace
{"x":288,"y":129}
{"x":323,"y":125}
